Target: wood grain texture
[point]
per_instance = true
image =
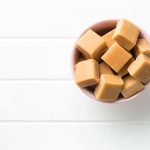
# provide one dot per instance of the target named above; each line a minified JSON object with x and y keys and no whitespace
{"x":40,"y":105}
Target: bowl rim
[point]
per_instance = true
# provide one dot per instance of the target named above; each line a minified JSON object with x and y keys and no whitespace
{"x":143,"y":34}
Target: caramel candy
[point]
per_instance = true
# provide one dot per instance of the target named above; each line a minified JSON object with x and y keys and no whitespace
{"x":124,"y":70}
{"x":140,"y":68}
{"x":126,"y":34}
{"x":87,"y":73}
{"x":108,"y":38}
{"x":91,"y":45}
{"x":131,"y":87}
{"x":104,"y":69}
{"x":116,"y":57}
{"x":109,"y":87}
{"x":142,"y":47}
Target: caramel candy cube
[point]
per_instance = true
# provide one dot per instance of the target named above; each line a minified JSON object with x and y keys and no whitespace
{"x":91,"y":45}
{"x":142,"y":47}
{"x":124,"y":70}
{"x":108,"y":38}
{"x":109,"y":87}
{"x":131,"y":87}
{"x":116,"y":57}
{"x":126,"y":34}
{"x":104,"y":69}
{"x":140,"y":68}
{"x":87,"y":73}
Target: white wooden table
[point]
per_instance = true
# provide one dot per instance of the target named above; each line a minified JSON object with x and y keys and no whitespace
{"x":40,"y":106}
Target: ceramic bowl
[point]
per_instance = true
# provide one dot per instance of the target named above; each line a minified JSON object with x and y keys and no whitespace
{"x":101,"y":28}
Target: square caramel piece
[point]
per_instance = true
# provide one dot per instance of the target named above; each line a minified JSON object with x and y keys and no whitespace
{"x":124,"y":70}
{"x":116,"y":57}
{"x":91,"y":45}
{"x":108,"y":38}
{"x":142,"y":47}
{"x":131,"y":87}
{"x":109,"y":87}
{"x":140,"y":68}
{"x":105,"y":69}
{"x":126,"y":34}
{"x":87,"y":73}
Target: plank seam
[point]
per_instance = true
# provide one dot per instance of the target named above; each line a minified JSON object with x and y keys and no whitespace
{"x":35,"y":79}
{"x":34,"y":37}
{"x":77,"y":121}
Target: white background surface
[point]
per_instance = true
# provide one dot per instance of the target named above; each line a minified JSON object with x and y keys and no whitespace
{"x":40,"y":106}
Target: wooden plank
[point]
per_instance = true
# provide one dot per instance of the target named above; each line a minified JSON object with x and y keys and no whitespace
{"x":63,"y":101}
{"x":74,"y":136}
{"x":35,"y":59}
{"x":63,"y":18}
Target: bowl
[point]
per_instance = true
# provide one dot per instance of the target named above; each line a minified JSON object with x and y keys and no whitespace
{"x":101,"y":28}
